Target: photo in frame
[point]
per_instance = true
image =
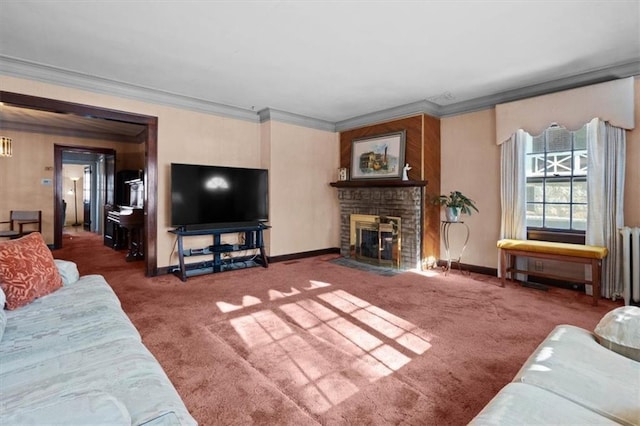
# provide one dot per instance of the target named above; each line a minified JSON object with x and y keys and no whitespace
{"x":378,"y":157}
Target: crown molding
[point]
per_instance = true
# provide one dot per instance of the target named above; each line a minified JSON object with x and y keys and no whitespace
{"x":296,"y":119}
{"x":47,"y":74}
{"x":420,"y":107}
{"x":18,"y":68}
{"x":601,"y":75}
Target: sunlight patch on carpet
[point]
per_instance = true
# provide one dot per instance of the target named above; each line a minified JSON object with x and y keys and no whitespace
{"x":324,"y":348}
{"x":248,"y":300}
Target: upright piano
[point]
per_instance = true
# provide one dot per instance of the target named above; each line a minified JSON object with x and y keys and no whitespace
{"x":124,"y":228}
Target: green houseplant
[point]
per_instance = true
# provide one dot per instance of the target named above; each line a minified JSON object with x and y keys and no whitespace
{"x":455,"y":204}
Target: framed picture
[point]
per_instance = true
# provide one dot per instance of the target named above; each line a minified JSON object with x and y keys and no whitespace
{"x":378,"y":157}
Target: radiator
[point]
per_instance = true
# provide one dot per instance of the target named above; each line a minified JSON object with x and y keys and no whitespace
{"x":631,"y":264}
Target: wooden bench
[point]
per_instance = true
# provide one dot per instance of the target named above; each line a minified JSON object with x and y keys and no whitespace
{"x":577,"y":253}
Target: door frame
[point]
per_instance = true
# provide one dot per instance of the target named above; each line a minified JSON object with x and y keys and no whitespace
{"x":151,"y":159}
{"x":58,"y":163}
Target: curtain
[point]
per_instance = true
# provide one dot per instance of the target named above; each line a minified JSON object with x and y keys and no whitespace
{"x":513,"y":192}
{"x":606,"y":146}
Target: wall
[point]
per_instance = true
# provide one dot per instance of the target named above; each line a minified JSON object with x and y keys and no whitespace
{"x":198,"y":138}
{"x":21,"y":176}
{"x":471,"y":163}
{"x":70,"y":172}
{"x":303,"y":207}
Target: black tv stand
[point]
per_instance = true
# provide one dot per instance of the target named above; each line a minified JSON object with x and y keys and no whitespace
{"x":253,"y":240}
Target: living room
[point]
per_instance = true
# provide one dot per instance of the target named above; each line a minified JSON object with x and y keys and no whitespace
{"x":303,"y":155}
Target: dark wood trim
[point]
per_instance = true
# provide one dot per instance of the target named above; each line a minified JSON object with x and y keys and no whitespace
{"x":54,"y":105}
{"x":571,"y":237}
{"x":377,"y":183}
{"x":151,"y":155}
{"x":303,"y":255}
{"x":483,"y":270}
{"x":151,"y":199}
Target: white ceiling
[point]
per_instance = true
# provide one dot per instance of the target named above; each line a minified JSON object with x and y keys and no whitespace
{"x":328,"y":60}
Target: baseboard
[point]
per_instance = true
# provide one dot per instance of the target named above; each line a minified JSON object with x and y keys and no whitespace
{"x":483,"y":270}
{"x":302,"y":255}
{"x":164,"y":270}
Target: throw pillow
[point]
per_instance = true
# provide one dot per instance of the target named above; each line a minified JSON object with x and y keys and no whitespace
{"x":27,"y":270}
{"x":619,"y":330}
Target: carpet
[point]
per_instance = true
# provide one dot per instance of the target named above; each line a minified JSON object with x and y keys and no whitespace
{"x":311,"y":342}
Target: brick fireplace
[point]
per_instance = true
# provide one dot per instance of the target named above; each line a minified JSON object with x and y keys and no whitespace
{"x":402,"y":199}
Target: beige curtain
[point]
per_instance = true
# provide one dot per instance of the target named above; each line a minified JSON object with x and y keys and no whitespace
{"x":606,"y":147}
{"x":513,"y":192}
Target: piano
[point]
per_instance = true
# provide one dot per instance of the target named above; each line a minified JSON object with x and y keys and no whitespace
{"x":125,"y":228}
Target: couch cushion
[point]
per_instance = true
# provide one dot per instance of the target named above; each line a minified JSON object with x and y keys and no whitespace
{"x":619,"y":330}
{"x":93,"y":408}
{"x":571,"y":364}
{"x":519,"y":403}
{"x":68,"y":271}
{"x":3,"y":314}
{"x":27,"y":270}
{"x":83,"y":314}
{"x":123,"y":368}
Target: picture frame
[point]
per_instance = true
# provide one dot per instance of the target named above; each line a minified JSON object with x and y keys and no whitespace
{"x":378,"y":157}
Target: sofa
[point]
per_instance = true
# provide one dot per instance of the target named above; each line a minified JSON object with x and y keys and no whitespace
{"x":73,"y":357}
{"x":576,"y":376}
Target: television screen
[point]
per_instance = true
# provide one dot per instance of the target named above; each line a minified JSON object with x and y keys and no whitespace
{"x":216,"y":195}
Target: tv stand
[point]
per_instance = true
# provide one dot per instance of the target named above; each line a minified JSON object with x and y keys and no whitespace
{"x":253,"y":240}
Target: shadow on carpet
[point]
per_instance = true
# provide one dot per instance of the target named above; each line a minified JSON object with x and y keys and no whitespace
{"x":378,"y":270}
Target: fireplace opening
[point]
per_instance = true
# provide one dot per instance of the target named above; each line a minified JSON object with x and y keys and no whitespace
{"x":376,"y":240}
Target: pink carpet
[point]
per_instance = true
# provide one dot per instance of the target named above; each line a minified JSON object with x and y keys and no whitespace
{"x":311,"y":342}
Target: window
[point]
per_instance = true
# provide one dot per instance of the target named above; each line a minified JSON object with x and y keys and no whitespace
{"x":557,"y":180}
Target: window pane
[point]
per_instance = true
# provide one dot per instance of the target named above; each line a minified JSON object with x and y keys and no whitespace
{"x":536,"y":144}
{"x":580,"y":217}
{"x":558,"y":192}
{"x":580,"y":163}
{"x":534,"y":192}
{"x":534,"y":215}
{"x":558,"y":139}
{"x":579,"y":191}
{"x":580,"y":138}
{"x":535,"y":164}
{"x":557,"y":216}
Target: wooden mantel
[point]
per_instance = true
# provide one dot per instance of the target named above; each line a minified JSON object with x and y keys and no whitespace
{"x":372,"y":183}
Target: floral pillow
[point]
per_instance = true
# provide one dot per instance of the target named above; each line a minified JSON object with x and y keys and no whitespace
{"x":27,"y":270}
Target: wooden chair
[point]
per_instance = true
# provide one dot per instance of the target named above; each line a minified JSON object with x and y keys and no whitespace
{"x":18,"y":220}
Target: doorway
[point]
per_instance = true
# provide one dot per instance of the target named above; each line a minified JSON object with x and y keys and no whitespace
{"x":85,"y":174}
{"x":149,"y":140}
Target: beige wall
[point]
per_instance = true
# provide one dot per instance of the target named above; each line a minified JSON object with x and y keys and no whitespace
{"x":632,"y":175}
{"x":21,"y":176}
{"x":471,"y":163}
{"x":309,"y":155}
{"x":303,"y":207}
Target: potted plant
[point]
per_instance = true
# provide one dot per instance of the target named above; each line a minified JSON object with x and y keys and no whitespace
{"x":456,"y":203}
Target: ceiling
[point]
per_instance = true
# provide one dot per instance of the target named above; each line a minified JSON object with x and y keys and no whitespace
{"x":329,"y":60}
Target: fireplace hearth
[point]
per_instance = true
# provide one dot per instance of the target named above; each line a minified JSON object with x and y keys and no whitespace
{"x":402,"y":201}
{"x":376,"y":240}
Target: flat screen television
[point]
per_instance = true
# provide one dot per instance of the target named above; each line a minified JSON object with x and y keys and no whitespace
{"x":216,"y":196}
